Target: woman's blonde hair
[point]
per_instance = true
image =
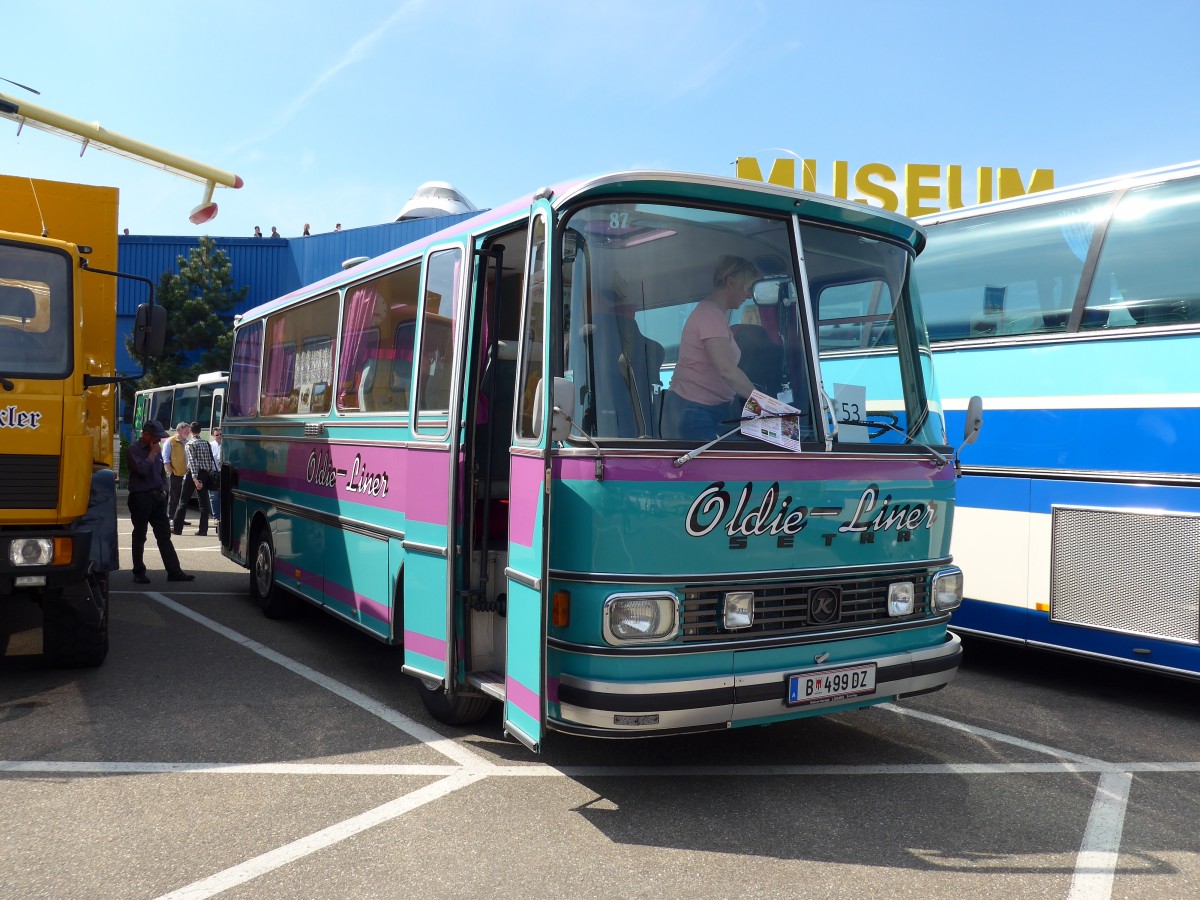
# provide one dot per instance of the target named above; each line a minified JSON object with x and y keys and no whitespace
{"x":729,"y":266}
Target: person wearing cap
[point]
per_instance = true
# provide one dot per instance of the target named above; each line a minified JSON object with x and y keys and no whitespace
{"x":148,"y":503}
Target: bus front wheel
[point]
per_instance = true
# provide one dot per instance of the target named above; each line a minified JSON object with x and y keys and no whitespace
{"x":276,"y":603}
{"x":452,"y":710}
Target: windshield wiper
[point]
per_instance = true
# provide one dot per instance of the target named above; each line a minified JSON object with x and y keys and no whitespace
{"x":6,"y":384}
{"x":692,"y":454}
{"x":941,"y":461}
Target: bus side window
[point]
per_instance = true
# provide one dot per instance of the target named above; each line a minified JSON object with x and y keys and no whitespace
{"x":244,"y":375}
{"x":436,"y":358}
{"x":1148,"y":273}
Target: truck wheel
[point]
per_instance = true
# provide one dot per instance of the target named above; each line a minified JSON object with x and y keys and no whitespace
{"x":454,"y":710}
{"x":276,"y":603}
{"x":75,"y":625}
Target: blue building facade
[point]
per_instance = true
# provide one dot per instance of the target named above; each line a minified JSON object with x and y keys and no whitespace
{"x":269,"y":267}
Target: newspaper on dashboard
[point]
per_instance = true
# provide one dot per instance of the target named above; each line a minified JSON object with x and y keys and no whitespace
{"x":771,"y":420}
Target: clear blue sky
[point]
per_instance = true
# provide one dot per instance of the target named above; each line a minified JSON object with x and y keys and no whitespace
{"x":337,"y":112}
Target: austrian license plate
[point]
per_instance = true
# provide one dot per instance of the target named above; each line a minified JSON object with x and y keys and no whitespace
{"x":828,"y":685}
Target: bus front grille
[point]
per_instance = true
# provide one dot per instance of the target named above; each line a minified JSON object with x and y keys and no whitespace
{"x":788,"y":607}
{"x":28,"y":481}
{"x":1129,"y":572}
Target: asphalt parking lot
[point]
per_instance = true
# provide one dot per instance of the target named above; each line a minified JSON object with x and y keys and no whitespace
{"x":218,"y":752}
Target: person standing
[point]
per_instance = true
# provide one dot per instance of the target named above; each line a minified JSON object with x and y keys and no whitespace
{"x":175,"y":463}
{"x":275,"y":232}
{"x":257,"y":231}
{"x":199,"y":477}
{"x":306,"y":229}
{"x":214,"y":490}
{"x":148,"y":504}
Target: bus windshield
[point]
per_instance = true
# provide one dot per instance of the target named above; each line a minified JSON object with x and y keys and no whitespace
{"x":648,"y":287}
{"x":35,"y":312}
{"x":673,"y":315}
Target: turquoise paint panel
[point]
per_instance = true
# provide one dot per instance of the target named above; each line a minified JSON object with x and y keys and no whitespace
{"x":642,"y":526}
{"x":845,"y":651}
{"x":299,"y":552}
{"x":357,"y":582}
{"x":523,"y":699}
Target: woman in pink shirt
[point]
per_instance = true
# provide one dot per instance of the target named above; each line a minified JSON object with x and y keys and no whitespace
{"x":707,"y":379}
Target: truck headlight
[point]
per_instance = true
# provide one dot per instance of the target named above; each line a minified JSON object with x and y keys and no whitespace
{"x":947,"y":589}
{"x":31,"y":551}
{"x":641,"y":618}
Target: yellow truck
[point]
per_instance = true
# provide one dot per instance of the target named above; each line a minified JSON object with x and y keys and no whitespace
{"x":58,"y":399}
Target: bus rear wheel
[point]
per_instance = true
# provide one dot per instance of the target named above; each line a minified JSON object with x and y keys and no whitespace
{"x":276,"y":603}
{"x":456,"y":709}
{"x":75,"y":624}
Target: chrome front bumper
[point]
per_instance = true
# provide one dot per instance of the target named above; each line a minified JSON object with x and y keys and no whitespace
{"x":614,"y":709}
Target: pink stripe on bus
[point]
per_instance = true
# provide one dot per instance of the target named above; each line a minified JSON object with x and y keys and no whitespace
{"x":522,"y":698}
{"x":525,"y":498}
{"x":795,"y":468}
{"x":428,"y":495}
{"x":434,"y":648}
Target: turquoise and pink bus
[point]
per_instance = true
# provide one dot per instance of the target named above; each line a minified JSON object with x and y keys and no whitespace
{"x":460,"y":448}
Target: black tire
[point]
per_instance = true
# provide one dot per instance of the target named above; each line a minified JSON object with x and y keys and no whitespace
{"x":276,"y":603}
{"x":456,"y":709}
{"x":75,"y":625}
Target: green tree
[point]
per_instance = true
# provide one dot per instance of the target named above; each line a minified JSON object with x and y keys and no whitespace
{"x":199,"y":301}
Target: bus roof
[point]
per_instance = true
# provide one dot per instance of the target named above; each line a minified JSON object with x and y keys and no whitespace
{"x":1067,"y":192}
{"x":667,"y":184}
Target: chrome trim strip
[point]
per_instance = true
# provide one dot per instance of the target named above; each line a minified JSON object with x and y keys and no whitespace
{"x":1114,"y":477}
{"x":1027,"y":340}
{"x":342,"y":442}
{"x":530,"y":743}
{"x":521,"y":578}
{"x":356,"y":525}
{"x":423,"y":675}
{"x":766,"y":642}
{"x":677,"y":578}
{"x":652,"y":687}
{"x":428,"y":549}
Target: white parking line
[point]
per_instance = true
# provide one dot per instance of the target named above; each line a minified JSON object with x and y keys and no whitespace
{"x":428,"y":736}
{"x":991,"y":735}
{"x":326,"y":837}
{"x":1096,"y":865}
{"x":541,"y":770}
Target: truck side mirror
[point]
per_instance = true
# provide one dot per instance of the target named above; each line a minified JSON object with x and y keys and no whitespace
{"x":150,"y":331}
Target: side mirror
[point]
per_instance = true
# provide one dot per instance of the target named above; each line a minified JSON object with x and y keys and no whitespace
{"x":564,"y":409}
{"x":150,"y":331}
{"x":774,"y":290}
{"x":974,"y":420}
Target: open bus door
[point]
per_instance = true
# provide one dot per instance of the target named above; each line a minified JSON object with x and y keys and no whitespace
{"x":528,"y":506}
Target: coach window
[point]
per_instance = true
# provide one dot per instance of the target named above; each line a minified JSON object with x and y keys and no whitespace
{"x":435,"y":359}
{"x":375,"y":358}
{"x":531,"y":345}
{"x":1148,"y":273}
{"x":247,"y":366}
{"x":1008,"y":273}
{"x":298,"y":366}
